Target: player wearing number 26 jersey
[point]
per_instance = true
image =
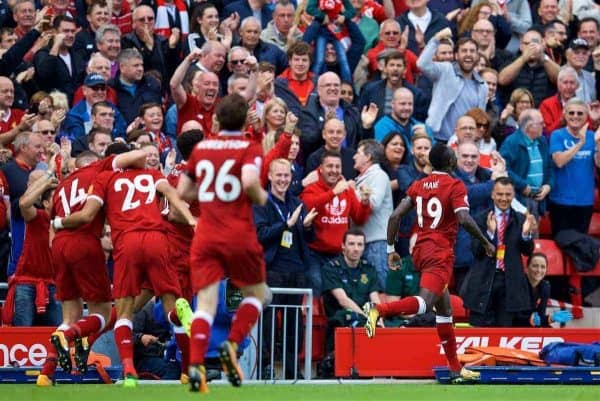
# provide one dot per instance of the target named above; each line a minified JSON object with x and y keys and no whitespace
{"x":223,"y":175}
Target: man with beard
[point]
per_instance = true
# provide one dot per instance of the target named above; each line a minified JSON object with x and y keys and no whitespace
{"x":401,"y":118}
{"x":456,"y":86}
{"x":407,"y":174}
{"x":381,"y":92}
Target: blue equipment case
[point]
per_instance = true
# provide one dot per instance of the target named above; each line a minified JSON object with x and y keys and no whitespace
{"x":528,"y":374}
{"x":28,"y":375}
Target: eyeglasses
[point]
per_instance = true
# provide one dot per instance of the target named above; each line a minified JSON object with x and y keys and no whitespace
{"x":483,"y":31}
{"x":467,"y":128}
{"x":46,"y":132}
{"x":235,"y":62}
{"x":575,"y":113}
{"x":145,"y":19}
{"x":391,"y":33}
{"x":98,"y":88}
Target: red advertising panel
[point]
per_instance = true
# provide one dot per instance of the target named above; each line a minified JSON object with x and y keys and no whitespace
{"x":413,"y":352}
{"x":24,"y":345}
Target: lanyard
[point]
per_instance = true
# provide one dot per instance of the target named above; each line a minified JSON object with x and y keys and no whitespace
{"x":277,"y":208}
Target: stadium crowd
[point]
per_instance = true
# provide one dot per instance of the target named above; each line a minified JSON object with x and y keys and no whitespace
{"x":346,"y":99}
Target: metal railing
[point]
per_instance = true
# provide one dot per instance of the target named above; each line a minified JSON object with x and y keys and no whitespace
{"x":256,"y":361}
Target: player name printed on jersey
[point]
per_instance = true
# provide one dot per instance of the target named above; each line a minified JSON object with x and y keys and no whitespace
{"x":223,"y":144}
{"x":431,"y":185}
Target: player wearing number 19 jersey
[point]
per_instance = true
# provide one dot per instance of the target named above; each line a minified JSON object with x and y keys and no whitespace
{"x":223,"y":174}
{"x":441,"y":204}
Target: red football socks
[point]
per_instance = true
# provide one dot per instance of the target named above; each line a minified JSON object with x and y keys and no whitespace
{"x":199,"y":339}
{"x":84,"y":327}
{"x":109,"y":326}
{"x":406,"y":306}
{"x":245,"y":317}
{"x":124,"y":340}
{"x":173,"y":318}
{"x":446,"y":334}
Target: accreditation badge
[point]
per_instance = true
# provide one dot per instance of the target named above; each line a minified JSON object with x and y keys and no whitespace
{"x":287,"y":239}
{"x":500,"y":252}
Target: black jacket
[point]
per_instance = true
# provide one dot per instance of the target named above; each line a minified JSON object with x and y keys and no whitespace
{"x":270,"y":228}
{"x":148,"y":91}
{"x":51,"y":72}
{"x":374,"y":92}
{"x":312,"y":120}
{"x":581,"y":248}
{"x":85,"y":43}
{"x":477,"y":290}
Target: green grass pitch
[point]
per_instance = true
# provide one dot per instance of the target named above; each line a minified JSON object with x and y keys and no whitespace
{"x":308,"y":392}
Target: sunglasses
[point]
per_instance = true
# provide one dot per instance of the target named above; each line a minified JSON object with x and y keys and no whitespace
{"x":575,"y":113}
{"x":98,"y":88}
{"x":235,"y":62}
{"x":47,"y":132}
{"x":480,"y":125}
{"x":145,"y":19}
{"x":390,"y":33}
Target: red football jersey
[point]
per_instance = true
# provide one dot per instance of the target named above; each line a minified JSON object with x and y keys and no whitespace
{"x":216,"y":165}
{"x":71,"y":193}
{"x":129,"y":199}
{"x":193,"y":110}
{"x":36,"y":258}
{"x":182,"y":232}
{"x":437,"y":198}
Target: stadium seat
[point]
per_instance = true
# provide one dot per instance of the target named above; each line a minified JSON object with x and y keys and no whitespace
{"x":545,"y":228}
{"x":575,"y":284}
{"x":556,"y":261}
{"x":459,"y":313}
{"x":318,"y":331}
{"x":594,"y":229}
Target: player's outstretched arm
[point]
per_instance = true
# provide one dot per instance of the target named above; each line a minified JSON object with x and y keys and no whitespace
{"x":32,"y":195}
{"x":175,"y":201}
{"x":252,"y":187}
{"x":84,"y":216}
{"x":132,"y":159}
{"x":465,"y":220}
{"x":394,"y":221}
{"x":187,"y":188}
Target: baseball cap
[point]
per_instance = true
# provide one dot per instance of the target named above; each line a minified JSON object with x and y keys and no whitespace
{"x":94,"y":79}
{"x":578,"y":43}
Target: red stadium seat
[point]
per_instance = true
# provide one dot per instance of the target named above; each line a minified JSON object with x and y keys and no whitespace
{"x":596,"y":200}
{"x":318,"y":331}
{"x":556,"y":261}
{"x":575,"y":284}
{"x":459,"y":313}
{"x":594,"y":229}
{"x":545,"y":228}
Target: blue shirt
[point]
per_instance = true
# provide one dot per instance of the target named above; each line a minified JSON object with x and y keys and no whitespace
{"x":574,"y":182}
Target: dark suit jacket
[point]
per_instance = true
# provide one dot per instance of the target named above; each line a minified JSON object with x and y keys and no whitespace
{"x":243,"y":9}
{"x":51,"y":72}
{"x":312,"y":120}
{"x":374,"y":92}
{"x":476,"y":292}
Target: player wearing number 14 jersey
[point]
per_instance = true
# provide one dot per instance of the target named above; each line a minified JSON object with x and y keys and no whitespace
{"x":223,"y":175}
{"x":79,"y":265}
{"x":441,"y":204}
{"x":129,"y":198}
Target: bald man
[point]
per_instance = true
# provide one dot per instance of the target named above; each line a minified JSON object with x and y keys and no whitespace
{"x":334,"y":135}
{"x":328,"y":104}
{"x":464,"y":130}
{"x":10,"y":117}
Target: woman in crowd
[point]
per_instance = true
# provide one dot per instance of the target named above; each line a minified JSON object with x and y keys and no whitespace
{"x":520,"y":99}
{"x":205,"y":26}
{"x":539,"y":290}
{"x":273,"y":118}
